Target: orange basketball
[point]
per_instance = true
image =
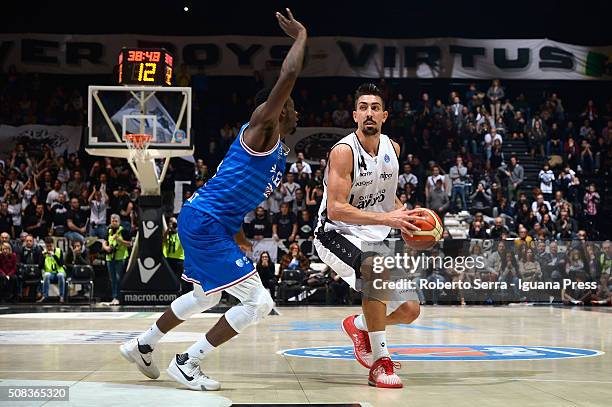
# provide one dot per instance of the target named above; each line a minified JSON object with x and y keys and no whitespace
{"x":430,"y":233}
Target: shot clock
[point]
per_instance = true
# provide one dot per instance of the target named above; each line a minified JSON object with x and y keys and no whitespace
{"x":145,"y":66}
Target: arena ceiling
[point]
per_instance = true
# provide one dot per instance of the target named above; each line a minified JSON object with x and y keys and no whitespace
{"x":572,"y":21}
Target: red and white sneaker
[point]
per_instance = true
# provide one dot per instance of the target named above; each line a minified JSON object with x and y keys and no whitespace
{"x":382,"y":374}
{"x":361,"y":341}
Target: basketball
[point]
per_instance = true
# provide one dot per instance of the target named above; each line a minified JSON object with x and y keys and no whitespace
{"x":430,"y":233}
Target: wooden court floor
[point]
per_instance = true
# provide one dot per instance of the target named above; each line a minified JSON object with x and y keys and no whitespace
{"x":525,"y":356}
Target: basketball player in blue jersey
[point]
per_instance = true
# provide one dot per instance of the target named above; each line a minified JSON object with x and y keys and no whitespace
{"x":210,"y":230}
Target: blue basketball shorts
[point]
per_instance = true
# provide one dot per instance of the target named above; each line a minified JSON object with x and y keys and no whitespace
{"x":212,"y":258}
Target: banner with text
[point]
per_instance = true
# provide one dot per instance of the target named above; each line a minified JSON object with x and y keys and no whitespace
{"x":326,"y":56}
{"x":60,"y":138}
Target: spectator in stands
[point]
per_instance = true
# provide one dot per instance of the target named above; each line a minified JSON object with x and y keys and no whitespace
{"x":574,"y":264}
{"x":30,"y":253}
{"x":76,"y":255}
{"x":529,"y":268}
{"x":571,"y":152}
{"x":458,"y":175}
{"x":306,"y":225}
{"x":295,"y":259}
{"x":495,"y":94}
{"x":509,"y":272}
{"x":123,"y":206}
{"x":300,"y":201}
{"x":305,"y":166}
{"x":546,"y":177}
{"x":523,"y":238}
{"x":477,"y":231}
{"x":116,"y":248}
{"x":98,"y":201}
{"x":36,"y":222}
{"x":431,"y":180}
{"x":58,"y":214}
{"x":554,"y":145}
{"x":498,"y":229}
{"x":284,"y":224}
{"x":52,"y":267}
{"x":566,"y":227}
{"x":8,"y":272}
{"x":75,"y":185}
{"x":76,"y":221}
{"x":57,"y":190}
{"x":516,"y":176}
{"x":6,"y":220}
{"x":438,"y":199}
{"x":481,"y":200}
{"x":591,"y":204}
{"x":288,"y":188}
{"x":172,"y":250}
{"x":536,"y":139}
{"x":539,"y":203}
{"x":407,"y":178}
{"x":267,"y":273}
{"x":314,"y":196}
{"x":548,"y":225}
{"x":260,"y":227}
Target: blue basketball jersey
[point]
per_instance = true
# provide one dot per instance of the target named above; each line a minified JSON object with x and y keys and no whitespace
{"x":244,"y":179}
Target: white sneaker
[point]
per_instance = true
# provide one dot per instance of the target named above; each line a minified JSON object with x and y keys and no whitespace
{"x":186,"y":371}
{"x":142,"y":356}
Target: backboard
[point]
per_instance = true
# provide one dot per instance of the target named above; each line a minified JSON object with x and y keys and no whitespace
{"x":162,"y":112}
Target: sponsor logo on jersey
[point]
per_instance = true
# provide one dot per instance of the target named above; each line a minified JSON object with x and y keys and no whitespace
{"x":368,"y":200}
{"x":386,"y":175}
{"x":387,"y":158}
{"x":448,"y":353}
{"x":365,"y":174}
{"x":364,"y":183}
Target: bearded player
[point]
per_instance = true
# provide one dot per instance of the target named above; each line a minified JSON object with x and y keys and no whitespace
{"x":209,"y":227}
{"x":358,"y":210}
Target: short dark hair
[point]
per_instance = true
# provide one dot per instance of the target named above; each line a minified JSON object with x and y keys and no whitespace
{"x":48,"y":239}
{"x":262,"y":96}
{"x":369,"y":88}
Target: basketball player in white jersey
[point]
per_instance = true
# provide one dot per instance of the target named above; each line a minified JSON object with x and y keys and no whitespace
{"x":358,"y":210}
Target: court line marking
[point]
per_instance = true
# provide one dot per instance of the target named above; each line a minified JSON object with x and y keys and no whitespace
{"x":597,"y":353}
{"x":520,"y":379}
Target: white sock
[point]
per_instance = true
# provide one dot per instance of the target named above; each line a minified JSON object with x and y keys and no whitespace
{"x":151,"y":336}
{"x":360,"y":322}
{"x":378,"y":341}
{"x":200,"y":349}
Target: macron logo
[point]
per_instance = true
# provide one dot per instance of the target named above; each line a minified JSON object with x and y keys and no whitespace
{"x":147,"y":268}
{"x":149,"y":227}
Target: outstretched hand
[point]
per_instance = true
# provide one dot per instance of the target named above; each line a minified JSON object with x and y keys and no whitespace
{"x":290,"y":25}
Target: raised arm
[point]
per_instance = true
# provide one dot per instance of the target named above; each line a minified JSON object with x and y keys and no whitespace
{"x":263,"y":130}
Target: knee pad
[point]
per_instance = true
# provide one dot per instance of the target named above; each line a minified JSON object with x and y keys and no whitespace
{"x":254,"y":307}
{"x":194,"y":302}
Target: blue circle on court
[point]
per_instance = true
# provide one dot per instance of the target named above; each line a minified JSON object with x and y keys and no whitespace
{"x":451,"y":352}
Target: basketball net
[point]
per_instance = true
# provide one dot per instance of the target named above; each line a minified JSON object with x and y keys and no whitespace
{"x":138,"y":144}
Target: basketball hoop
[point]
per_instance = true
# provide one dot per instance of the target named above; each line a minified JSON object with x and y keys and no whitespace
{"x":138,"y":145}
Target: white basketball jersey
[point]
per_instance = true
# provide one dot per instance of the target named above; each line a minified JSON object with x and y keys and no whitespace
{"x":373,"y":189}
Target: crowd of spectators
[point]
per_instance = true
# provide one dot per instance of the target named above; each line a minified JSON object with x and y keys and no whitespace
{"x":452,"y":160}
